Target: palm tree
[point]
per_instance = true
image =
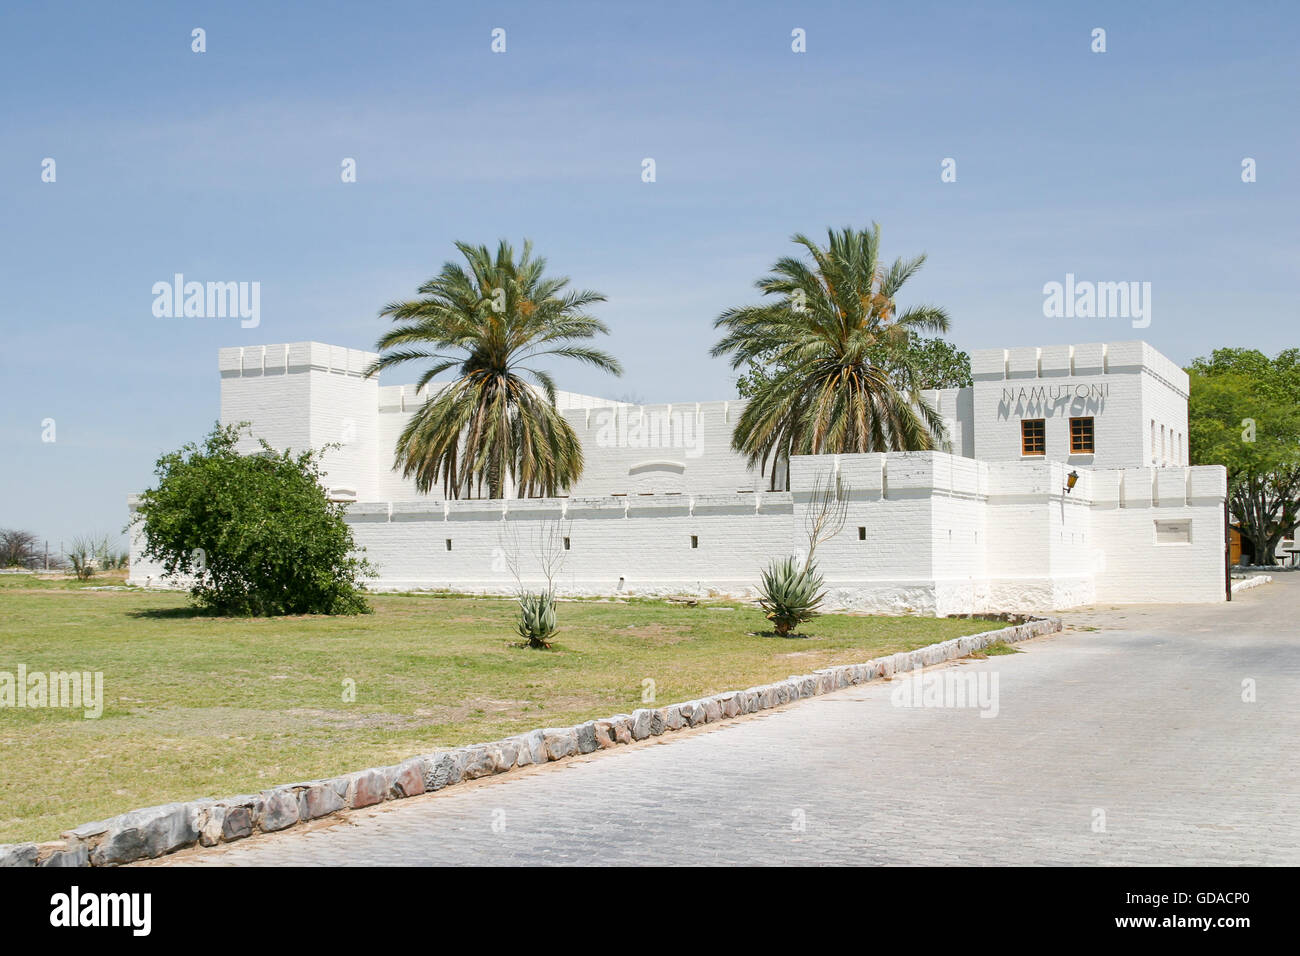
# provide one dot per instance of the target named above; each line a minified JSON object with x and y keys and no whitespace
{"x":498,"y":420}
{"x":836,"y":377}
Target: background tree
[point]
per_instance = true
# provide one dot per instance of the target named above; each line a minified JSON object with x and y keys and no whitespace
{"x":257,"y":533}
{"x":497,"y":422}
{"x":933,"y":363}
{"x":18,"y":549}
{"x":837,"y":375}
{"x":1244,"y":413}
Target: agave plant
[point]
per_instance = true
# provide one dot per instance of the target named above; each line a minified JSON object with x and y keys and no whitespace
{"x":537,"y":618}
{"x":790,"y":594}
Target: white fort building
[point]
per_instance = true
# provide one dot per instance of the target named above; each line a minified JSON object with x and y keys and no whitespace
{"x":665,"y":506}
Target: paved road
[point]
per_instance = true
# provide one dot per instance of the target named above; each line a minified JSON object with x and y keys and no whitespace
{"x":1143,"y":721}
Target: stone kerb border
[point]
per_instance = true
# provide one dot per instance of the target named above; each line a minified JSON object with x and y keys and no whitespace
{"x":1254,"y":581}
{"x":158,"y":831}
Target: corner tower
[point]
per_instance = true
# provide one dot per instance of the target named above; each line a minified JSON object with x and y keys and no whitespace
{"x":306,"y":395}
{"x":1102,"y":405}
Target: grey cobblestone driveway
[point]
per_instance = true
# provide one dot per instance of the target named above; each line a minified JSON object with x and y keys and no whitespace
{"x":1143,"y":721}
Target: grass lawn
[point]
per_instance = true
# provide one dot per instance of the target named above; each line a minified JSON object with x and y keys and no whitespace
{"x":205,"y":706}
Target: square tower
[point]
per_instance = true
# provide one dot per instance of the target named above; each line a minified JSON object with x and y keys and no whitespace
{"x":1102,"y":405}
{"x":307,"y":395}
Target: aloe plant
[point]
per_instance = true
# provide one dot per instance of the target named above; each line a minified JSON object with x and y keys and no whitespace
{"x":537,"y":618}
{"x":790,"y":594}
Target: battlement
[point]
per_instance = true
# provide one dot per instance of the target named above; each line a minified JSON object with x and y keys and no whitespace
{"x":991,"y":365}
{"x":1132,"y":396}
{"x":290,"y":357}
{"x":1075,"y":361}
{"x":924,"y":474}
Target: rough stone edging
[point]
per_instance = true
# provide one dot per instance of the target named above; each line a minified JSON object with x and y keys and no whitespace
{"x":158,"y":831}
{"x":1254,"y":581}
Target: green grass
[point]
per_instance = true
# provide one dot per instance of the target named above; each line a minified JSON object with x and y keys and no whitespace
{"x":208,"y":706}
{"x":997,"y":650}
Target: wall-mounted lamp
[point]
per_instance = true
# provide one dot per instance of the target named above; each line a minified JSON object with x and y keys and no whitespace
{"x":1070,"y":481}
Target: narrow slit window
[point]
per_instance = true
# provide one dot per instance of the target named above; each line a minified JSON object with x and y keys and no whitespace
{"x":862,"y":534}
{"x":566,"y":544}
{"x":449,"y":544}
{"x":1033,"y":436}
{"x":695,"y":541}
{"x":1081,"y":436}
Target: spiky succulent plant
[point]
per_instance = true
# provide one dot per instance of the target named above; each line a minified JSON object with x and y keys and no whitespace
{"x":790,"y":594}
{"x":537,"y":618}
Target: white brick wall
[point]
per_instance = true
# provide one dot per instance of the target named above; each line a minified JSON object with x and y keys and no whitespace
{"x":941,"y":533}
{"x":308,"y":395}
{"x":311,"y":393}
{"x":1122,"y":386}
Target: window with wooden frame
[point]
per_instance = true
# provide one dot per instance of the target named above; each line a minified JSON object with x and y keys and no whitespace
{"x":1081,"y":436}
{"x":1033,"y":436}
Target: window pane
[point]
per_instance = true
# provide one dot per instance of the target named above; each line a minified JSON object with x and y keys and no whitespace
{"x":1033,"y":440}
{"x":1081,"y":436}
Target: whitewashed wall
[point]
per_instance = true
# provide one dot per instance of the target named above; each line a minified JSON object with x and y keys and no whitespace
{"x":1124,"y":386}
{"x":957,"y":407}
{"x":630,"y":546}
{"x":629,"y":449}
{"x":308,"y":393}
{"x":940,"y":533}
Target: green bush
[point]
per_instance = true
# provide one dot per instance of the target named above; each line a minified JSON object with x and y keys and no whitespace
{"x":790,"y":594}
{"x":537,"y":618}
{"x":257,"y":534}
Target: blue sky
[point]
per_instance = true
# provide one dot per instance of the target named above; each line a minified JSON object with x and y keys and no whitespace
{"x":1119,"y":166}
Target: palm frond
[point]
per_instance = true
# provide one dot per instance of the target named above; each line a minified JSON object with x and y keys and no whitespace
{"x":490,"y":318}
{"x":833,"y":323}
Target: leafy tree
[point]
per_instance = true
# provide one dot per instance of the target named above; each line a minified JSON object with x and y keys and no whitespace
{"x":837,"y":375}
{"x":1244,"y":413}
{"x":492,"y":324}
{"x":935,"y":363}
{"x":257,"y":533}
{"x":17,"y":548}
